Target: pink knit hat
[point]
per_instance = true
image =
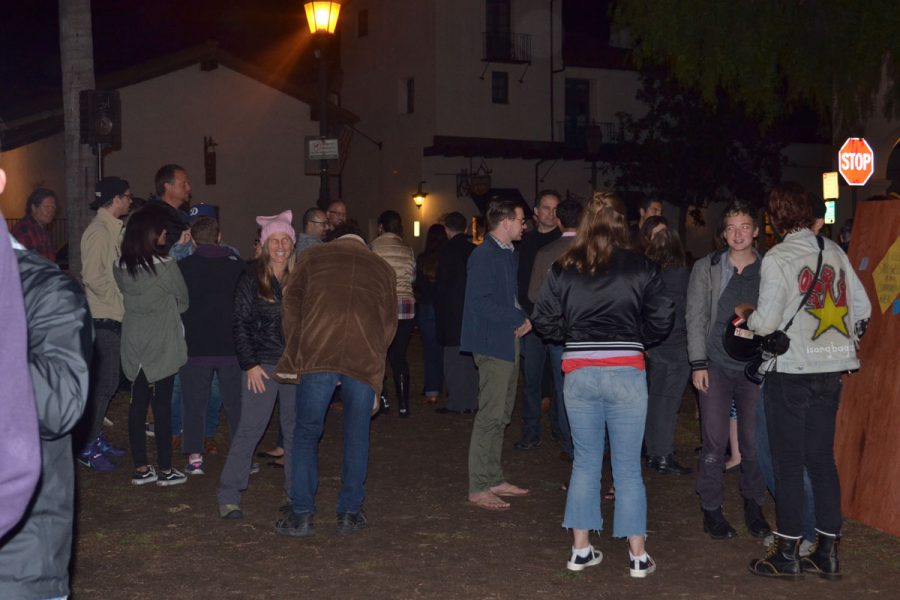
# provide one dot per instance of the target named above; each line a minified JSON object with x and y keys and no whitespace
{"x":280,"y":223}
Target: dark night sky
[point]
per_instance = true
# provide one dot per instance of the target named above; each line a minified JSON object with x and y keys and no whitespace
{"x":128,"y":32}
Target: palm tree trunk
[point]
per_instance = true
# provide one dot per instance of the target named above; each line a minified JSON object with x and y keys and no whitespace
{"x":77,"y":58}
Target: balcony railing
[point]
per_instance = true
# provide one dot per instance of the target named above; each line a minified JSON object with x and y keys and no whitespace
{"x":506,"y":47}
{"x":589,"y":138}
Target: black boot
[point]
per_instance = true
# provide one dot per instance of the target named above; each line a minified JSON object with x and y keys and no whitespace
{"x":782,"y":559}
{"x":823,"y":557}
{"x":716,"y":526}
{"x":401,"y":383}
{"x":755,"y":520}
{"x":666,"y":465}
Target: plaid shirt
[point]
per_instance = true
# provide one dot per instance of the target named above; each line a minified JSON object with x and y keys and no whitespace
{"x":406,"y":308}
{"x":34,"y":236}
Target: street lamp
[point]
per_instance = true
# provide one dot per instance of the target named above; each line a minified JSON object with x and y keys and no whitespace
{"x":322,"y":17}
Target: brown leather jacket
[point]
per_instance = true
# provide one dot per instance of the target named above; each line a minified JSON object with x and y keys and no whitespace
{"x":339,"y":312}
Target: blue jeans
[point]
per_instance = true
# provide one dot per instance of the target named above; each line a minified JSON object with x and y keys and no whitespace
{"x":432,"y":351}
{"x":313,"y":398}
{"x":597,"y":399}
{"x":534,"y":354}
{"x":558,"y":417}
{"x":212,"y":408}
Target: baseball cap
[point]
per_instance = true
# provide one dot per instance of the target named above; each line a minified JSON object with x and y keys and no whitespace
{"x":203,"y":210}
{"x":107,"y":189}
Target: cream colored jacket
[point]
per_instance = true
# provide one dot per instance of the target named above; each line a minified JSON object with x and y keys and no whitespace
{"x":394,"y":250}
{"x":100,"y":250}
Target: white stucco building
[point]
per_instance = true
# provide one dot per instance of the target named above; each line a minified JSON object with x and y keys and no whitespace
{"x":170,"y":106}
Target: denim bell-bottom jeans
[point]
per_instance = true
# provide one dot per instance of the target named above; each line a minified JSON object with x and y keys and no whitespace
{"x":600,"y":399}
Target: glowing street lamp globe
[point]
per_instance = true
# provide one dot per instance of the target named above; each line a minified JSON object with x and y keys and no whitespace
{"x":322,"y":16}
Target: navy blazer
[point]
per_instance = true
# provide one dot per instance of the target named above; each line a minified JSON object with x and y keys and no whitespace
{"x":490,"y":316}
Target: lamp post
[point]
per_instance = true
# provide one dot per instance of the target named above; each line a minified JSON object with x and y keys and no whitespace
{"x":322,"y":17}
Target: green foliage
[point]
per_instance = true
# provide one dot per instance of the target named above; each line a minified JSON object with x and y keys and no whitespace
{"x":769,"y":56}
{"x":689,"y":153}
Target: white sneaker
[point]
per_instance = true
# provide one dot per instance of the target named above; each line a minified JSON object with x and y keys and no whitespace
{"x":173,"y":477}
{"x":579,"y":563}
{"x":144,"y":477}
{"x":107,"y":422}
{"x":641,"y":568}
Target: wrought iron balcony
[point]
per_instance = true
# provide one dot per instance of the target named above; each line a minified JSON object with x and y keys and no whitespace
{"x":506,"y":47}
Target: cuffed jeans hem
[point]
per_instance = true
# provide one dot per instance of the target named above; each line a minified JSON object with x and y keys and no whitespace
{"x":594,"y":529}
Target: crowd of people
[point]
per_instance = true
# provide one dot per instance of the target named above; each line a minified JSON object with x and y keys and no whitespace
{"x":605,"y":321}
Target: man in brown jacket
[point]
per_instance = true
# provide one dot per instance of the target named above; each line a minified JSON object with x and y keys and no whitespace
{"x":339,"y":316}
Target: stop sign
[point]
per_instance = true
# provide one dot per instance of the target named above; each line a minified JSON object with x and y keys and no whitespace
{"x":856,"y":161}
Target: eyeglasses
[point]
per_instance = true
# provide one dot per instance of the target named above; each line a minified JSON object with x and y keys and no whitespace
{"x":319,"y":222}
{"x":334,"y":212}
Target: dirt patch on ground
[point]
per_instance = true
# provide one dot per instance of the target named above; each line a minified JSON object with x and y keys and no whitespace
{"x":423,"y":541}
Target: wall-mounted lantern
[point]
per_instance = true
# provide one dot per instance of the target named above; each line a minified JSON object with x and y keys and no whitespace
{"x":419,"y":196}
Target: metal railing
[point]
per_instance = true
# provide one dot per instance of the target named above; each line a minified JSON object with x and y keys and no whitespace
{"x":506,"y":47}
{"x":590,"y":137}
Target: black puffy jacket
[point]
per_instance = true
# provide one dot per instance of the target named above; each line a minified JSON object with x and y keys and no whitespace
{"x":34,"y":557}
{"x":258,"y":334}
{"x":621,"y":308}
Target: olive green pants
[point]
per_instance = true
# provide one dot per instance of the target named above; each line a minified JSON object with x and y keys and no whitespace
{"x":497,"y":380}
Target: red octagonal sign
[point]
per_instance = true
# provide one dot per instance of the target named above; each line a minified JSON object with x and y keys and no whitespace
{"x":856,"y":161}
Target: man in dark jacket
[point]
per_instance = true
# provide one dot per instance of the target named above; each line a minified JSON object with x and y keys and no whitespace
{"x":493,"y":323}
{"x":34,"y":559}
{"x":211,"y":274}
{"x":450,"y":296}
{"x":344,"y":293}
{"x":534,"y":352}
{"x":173,"y":193}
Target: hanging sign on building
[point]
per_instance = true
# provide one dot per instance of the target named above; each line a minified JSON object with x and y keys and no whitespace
{"x":322,"y":148}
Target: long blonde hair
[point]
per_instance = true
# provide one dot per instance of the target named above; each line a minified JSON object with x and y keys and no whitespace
{"x":603,"y":227}
{"x":265,"y":274}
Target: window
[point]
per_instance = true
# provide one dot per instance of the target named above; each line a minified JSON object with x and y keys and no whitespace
{"x":497,"y":16}
{"x":407,"y":96}
{"x":362,"y":23}
{"x":577,"y":111}
{"x":499,"y":87}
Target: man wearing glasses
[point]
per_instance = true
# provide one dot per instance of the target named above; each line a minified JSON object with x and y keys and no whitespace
{"x":99,"y":254}
{"x":336,"y":213}
{"x":315,"y":227}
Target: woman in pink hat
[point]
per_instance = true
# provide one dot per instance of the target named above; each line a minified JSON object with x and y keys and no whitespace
{"x":259,"y":342}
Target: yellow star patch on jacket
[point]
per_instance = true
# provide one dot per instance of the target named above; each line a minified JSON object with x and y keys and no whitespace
{"x":830,"y":315}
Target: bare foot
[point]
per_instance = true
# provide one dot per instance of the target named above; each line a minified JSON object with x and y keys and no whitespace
{"x":508,"y":489}
{"x":488,"y":501}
